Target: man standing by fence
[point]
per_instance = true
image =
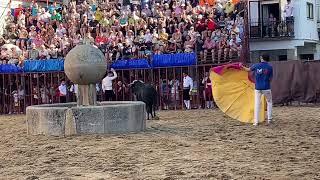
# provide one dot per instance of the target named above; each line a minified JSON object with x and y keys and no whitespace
{"x":187,"y":89}
{"x":63,"y":92}
{"x":107,"y":85}
{"x":263,"y":72}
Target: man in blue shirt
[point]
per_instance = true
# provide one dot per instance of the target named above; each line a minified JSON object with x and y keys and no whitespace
{"x":263,"y":73}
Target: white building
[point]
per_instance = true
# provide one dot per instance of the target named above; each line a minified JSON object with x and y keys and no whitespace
{"x":303,"y":43}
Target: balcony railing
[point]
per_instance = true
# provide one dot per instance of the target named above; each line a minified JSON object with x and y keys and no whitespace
{"x":272,"y":29}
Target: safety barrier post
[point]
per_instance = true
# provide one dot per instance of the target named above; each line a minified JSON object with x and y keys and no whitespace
{"x":38,"y":89}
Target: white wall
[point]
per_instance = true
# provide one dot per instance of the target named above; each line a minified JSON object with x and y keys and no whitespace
{"x":305,"y":29}
{"x":276,"y":44}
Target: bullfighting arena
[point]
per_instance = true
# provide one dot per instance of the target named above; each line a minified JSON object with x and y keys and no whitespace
{"x":197,"y":144}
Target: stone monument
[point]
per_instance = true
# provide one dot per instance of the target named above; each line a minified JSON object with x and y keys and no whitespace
{"x":85,"y":65}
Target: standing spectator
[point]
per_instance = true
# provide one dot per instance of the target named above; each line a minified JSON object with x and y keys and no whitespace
{"x":164,"y":92}
{"x":74,"y":91}
{"x":288,"y":10}
{"x":63,"y":92}
{"x":121,"y":91}
{"x":207,"y":91}
{"x":44,"y":94}
{"x":187,"y":89}
{"x":107,"y":85}
{"x":174,"y":84}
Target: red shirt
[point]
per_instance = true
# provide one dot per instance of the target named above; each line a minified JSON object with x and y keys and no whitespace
{"x":211,"y":25}
{"x":200,"y":26}
{"x":17,"y":11}
{"x":101,"y":40}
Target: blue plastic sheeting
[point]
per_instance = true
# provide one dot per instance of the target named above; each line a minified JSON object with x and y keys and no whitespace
{"x":130,"y":64}
{"x":43,"y":65}
{"x":170,"y":60}
{"x":9,"y":68}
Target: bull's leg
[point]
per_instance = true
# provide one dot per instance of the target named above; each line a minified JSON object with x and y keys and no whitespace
{"x":148,"y":108}
{"x":154,"y":111}
{"x":151,"y":112}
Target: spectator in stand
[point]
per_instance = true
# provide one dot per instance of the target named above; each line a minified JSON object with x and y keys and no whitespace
{"x":235,"y":45}
{"x":288,"y":12}
{"x":33,"y":53}
{"x":209,"y":46}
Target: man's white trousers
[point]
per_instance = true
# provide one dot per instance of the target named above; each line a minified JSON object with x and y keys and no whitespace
{"x":257,"y":104}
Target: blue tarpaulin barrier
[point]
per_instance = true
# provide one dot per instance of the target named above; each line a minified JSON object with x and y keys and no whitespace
{"x":170,"y":60}
{"x":130,"y":64}
{"x":43,"y":65}
{"x":51,"y":65}
{"x":10,"y":68}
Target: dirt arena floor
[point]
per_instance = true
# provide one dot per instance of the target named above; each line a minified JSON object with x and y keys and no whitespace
{"x":195,"y":144}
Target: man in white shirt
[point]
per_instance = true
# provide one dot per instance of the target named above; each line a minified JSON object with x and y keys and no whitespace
{"x":74,"y":90}
{"x":288,"y":12}
{"x":107,"y":85}
{"x":187,"y":88}
{"x":63,"y":92}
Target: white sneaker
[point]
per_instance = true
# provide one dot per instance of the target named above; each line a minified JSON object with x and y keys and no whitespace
{"x":255,"y":124}
{"x":269,"y":121}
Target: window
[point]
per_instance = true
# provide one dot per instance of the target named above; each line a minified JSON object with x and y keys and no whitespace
{"x":307,"y":56}
{"x":283,"y":58}
{"x":309,"y":10}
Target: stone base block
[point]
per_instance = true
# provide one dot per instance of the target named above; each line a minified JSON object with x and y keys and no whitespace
{"x":68,"y":119}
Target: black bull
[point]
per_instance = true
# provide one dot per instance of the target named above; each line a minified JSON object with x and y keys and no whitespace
{"x":147,"y":94}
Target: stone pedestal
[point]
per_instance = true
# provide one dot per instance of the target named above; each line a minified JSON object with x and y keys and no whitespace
{"x":87,"y":95}
{"x":70,"y":119}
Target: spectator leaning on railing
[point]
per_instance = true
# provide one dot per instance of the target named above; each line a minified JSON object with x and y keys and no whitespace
{"x":126,"y":30}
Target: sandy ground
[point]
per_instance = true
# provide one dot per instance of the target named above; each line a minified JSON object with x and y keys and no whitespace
{"x":182,"y":145}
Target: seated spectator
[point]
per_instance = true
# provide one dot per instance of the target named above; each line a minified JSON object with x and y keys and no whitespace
{"x":235,"y":46}
{"x":223,"y":47}
{"x":33,"y":53}
{"x":43,"y":53}
{"x":209,"y":46}
{"x":38,"y":41}
{"x":14,"y":56}
{"x":23,"y":37}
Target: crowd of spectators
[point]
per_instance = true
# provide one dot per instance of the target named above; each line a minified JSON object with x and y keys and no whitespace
{"x":124,"y":29}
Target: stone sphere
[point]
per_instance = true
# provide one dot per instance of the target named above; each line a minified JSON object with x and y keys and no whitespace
{"x":85,"y":65}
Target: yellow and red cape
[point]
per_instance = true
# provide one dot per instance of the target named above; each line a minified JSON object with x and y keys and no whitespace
{"x":233,"y":92}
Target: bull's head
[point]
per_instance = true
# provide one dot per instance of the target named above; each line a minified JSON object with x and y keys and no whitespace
{"x":136,"y":85}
